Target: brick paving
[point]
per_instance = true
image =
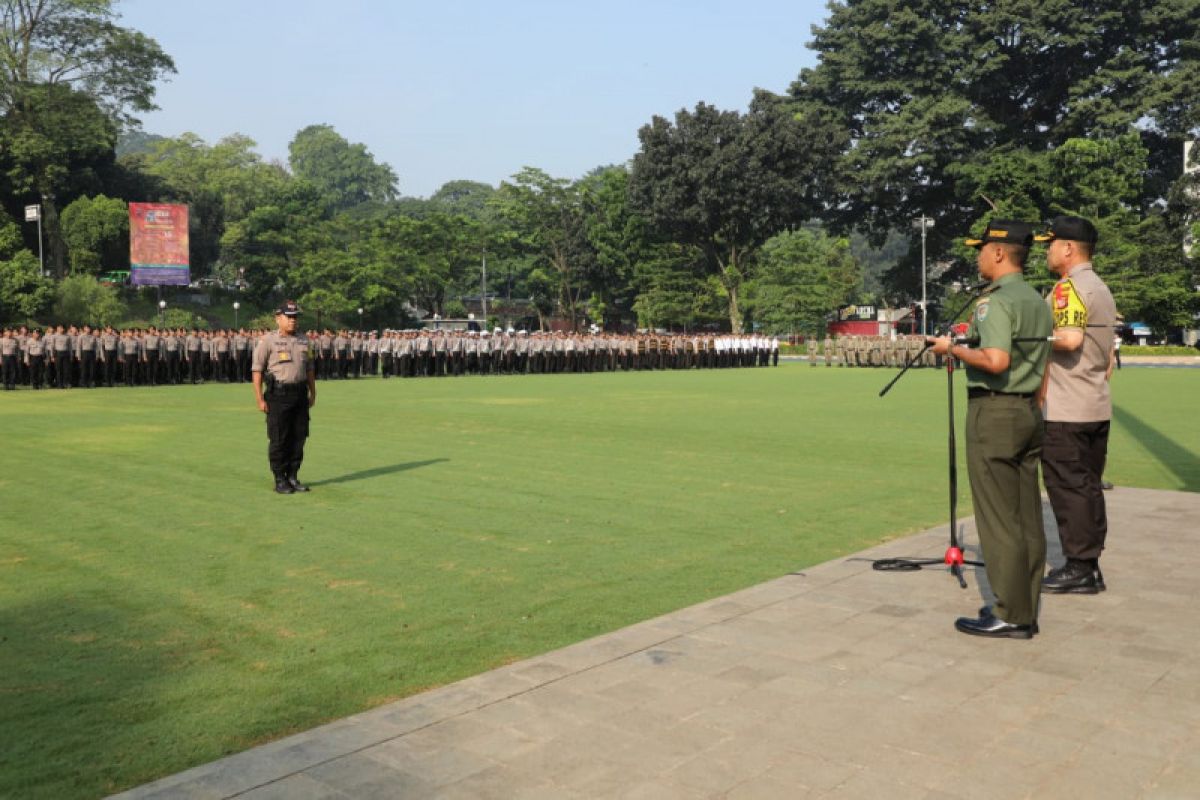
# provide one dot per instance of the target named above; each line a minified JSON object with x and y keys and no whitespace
{"x":837,"y":682}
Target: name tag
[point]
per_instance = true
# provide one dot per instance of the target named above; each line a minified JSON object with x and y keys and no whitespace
{"x":285,"y":357}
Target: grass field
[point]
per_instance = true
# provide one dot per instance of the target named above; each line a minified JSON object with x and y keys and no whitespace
{"x":160,"y":607}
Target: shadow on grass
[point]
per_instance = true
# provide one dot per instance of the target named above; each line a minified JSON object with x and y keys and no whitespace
{"x":77,"y":692}
{"x":376,"y":472}
{"x":1183,"y":463}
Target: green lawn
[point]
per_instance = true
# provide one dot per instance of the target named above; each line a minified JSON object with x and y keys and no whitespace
{"x":160,"y":607}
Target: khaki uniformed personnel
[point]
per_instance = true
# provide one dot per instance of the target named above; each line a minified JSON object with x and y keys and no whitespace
{"x":283,"y":366}
{"x":1077,"y":405}
{"x":1004,"y":429}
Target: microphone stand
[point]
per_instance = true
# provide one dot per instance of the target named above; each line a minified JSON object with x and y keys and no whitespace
{"x":954,"y":555}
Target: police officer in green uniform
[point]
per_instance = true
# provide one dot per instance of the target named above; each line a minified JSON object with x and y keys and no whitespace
{"x":283,"y":370}
{"x":1004,"y":429}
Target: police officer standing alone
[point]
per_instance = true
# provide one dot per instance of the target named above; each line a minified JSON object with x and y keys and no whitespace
{"x":1004,"y":429}
{"x":285,"y":386}
{"x":1077,"y":404}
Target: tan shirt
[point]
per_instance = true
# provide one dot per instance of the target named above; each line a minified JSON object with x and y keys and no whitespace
{"x":288,"y":358}
{"x":1077,"y":386}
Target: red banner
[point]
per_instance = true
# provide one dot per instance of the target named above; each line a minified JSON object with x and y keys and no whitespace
{"x":158,"y":244}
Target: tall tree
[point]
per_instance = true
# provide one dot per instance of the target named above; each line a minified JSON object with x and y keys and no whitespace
{"x":547,"y":217}
{"x":346,"y":174}
{"x":804,"y":276}
{"x":468,"y":198}
{"x":96,"y":231}
{"x":24,"y":292}
{"x":933,"y":91}
{"x":726,"y":182}
{"x":274,"y":238}
{"x":619,"y":238}
{"x":220,"y":183}
{"x":69,"y":77}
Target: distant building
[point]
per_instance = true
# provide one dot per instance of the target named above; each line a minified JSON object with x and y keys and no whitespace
{"x":872,"y":321}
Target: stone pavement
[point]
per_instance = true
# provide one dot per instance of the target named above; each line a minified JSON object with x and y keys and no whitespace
{"x":837,"y":682}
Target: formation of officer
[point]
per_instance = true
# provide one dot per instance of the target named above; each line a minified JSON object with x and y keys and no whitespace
{"x":1004,"y":429}
{"x":879,"y":351}
{"x":411,"y":354}
{"x":1077,"y":404}
{"x":285,"y":388}
{"x":153,"y":356}
{"x":87,"y":358}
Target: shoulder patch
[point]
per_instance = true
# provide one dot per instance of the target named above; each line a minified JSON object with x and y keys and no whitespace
{"x":1068,"y":307}
{"x":981,"y":310}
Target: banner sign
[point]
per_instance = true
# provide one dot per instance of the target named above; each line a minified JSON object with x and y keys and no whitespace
{"x":857,"y":312}
{"x":158,"y":244}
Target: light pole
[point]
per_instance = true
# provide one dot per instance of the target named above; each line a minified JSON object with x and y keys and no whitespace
{"x":162,"y":307}
{"x":360,"y":319}
{"x":924,"y":223}
{"x":34,"y":214}
{"x":236,"y":306}
{"x":483,"y":293}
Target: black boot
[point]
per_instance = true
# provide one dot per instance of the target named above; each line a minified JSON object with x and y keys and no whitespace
{"x":295,"y":483}
{"x":283,"y":485}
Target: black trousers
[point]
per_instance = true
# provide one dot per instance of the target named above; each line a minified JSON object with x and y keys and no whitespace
{"x":195,"y":361}
{"x":1073,"y":457}
{"x":172,"y":366}
{"x":87,"y":369}
{"x":110,"y":367}
{"x":10,"y":372}
{"x":151,"y":368}
{"x":36,"y":365}
{"x":287,"y":428}
{"x":62,"y":368}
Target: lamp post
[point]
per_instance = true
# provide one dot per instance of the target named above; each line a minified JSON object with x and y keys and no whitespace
{"x":236,"y":306}
{"x":34,"y":214}
{"x":483,"y":288}
{"x":924,"y":223}
{"x":360,"y":318}
{"x":162,"y":307}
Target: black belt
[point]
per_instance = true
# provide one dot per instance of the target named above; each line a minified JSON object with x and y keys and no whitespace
{"x":976,"y":393}
{"x":291,"y":388}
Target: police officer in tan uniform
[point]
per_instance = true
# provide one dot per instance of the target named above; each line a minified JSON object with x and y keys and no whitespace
{"x":285,"y":386}
{"x":1077,"y":404}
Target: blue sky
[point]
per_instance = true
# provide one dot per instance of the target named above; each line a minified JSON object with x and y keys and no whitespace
{"x":459,"y":89}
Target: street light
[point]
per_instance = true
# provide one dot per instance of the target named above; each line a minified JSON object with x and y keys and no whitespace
{"x":360,"y":319}
{"x":34,"y":214}
{"x":236,"y":306}
{"x":162,"y":307}
{"x":924,"y":223}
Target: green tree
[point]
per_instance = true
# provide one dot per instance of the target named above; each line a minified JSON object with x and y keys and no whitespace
{"x":673,"y":291}
{"x":96,"y":231}
{"x":24,"y":292}
{"x":725,"y":183}
{"x":546,"y":216}
{"x":465,"y":198}
{"x":346,"y":174}
{"x":618,"y":238}
{"x":69,"y":77}
{"x":804,"y":276}
{"x":81,"y":298}
{"x":945,"y":101}
{"x":221,"y":184}
{"x":274,"y":238}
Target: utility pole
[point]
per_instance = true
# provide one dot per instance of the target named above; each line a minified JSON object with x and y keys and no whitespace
{"x":924,"y":223}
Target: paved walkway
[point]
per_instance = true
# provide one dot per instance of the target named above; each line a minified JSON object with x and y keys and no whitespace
{"x":839,"y":682}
